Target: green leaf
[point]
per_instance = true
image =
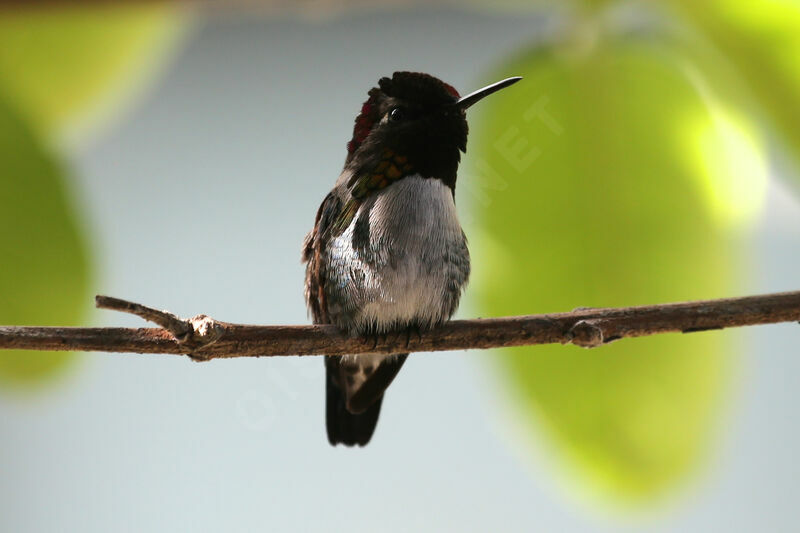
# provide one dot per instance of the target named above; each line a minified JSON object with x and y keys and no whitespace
{"x":69,"y":68}
{"x":762,"y":39}
{"x":44,"y":278}
{"x":613,"y":175}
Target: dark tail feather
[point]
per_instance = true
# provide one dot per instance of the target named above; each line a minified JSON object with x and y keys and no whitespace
{"x":343,"y":426}
{"x":354,"y":422}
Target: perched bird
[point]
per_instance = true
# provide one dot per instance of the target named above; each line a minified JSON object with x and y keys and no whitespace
{"x":387,"y":253}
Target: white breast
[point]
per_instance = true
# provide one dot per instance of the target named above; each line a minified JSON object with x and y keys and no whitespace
{"x":415,"y":264}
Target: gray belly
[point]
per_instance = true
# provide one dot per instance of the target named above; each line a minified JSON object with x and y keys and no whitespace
{"x":402,"y":262}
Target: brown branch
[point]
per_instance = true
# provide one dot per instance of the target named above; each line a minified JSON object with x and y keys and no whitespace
{"x":204,"y":338}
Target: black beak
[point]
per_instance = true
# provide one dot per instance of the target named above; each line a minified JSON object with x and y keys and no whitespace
{"x":466,"y":101}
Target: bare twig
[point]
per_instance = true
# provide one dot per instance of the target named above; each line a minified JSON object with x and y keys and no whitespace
{"x":192,"y":334}
{"x":204,"y":338}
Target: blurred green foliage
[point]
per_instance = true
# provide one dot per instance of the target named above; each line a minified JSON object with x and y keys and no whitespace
{"x":62,"y":69}
{"x":45,"y":277}
{"x":762,"y":40}
{"x":614,"y":175}
{"x":67,"y":68}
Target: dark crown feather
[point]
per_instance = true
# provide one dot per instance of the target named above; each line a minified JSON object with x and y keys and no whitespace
{"x":417,"y":87}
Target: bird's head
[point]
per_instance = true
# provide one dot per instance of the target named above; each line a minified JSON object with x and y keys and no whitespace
{"x":413,"y":123}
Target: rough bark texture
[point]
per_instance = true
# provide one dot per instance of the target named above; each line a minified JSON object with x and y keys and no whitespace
{"x":204,"y":338}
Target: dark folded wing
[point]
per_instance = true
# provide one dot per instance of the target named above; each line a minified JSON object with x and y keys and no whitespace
{"x":313,"y":249}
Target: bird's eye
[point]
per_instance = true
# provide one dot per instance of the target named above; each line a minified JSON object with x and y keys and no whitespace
{"x":396,"y":114}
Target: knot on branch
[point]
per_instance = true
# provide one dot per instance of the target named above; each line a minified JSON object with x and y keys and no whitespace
{"x":193,"y":334}
{"x":587,"y":334}
{"x":201,"y":331}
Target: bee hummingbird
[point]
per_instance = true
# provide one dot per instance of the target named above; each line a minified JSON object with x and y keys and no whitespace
{"x":387,"y":253}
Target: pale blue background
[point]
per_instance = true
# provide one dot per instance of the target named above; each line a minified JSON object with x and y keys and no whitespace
{"x":198,"y":202}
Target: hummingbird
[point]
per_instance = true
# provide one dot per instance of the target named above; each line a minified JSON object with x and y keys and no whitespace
{"x":387,"y":253}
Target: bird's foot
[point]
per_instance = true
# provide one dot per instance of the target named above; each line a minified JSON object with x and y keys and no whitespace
{"x":378,"y":338}
{"x":416,"y":330}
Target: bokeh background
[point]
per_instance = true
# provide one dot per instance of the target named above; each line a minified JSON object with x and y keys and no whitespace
{"x":175,"y":154}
